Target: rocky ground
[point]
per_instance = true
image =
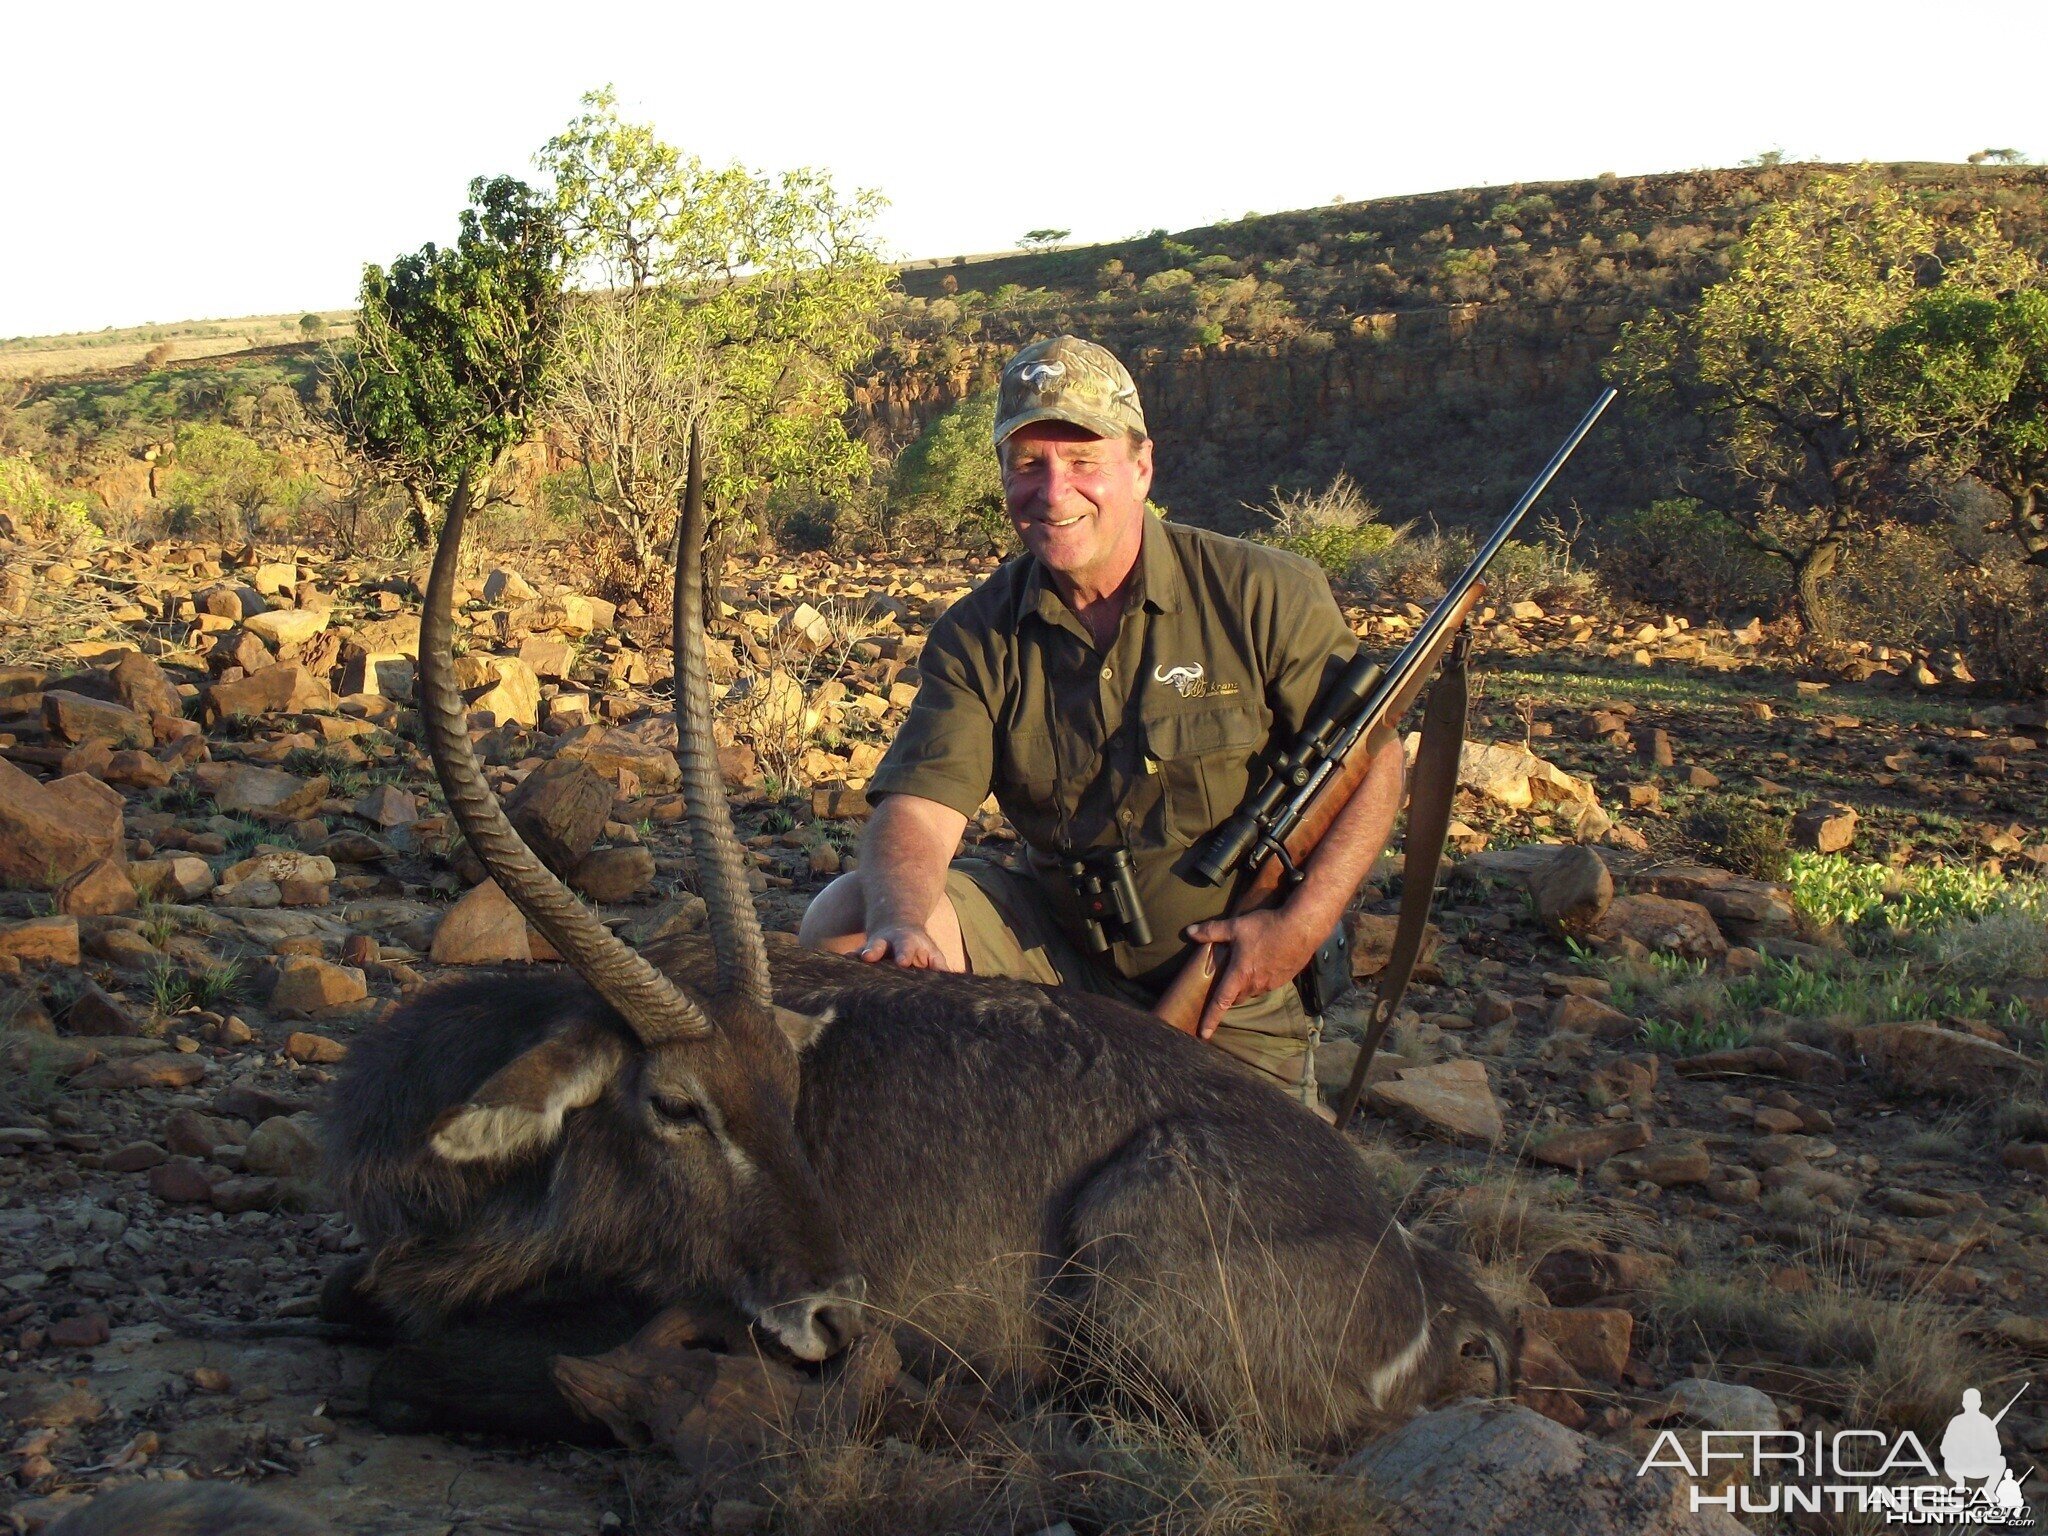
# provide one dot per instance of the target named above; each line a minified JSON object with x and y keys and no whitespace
{"x":1742,"y":1152}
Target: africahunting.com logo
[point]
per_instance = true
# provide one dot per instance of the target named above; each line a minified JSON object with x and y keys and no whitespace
{"x":1784,"y":1471}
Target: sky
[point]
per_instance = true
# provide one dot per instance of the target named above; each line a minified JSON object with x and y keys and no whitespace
{"x":207,"y":160}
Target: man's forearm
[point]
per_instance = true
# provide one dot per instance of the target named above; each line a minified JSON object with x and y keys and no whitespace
{"x":904,"y":853}
{"x":1355,"y":839}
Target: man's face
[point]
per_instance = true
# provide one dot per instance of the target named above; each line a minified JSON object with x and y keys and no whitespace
{"x":1077,"y":501}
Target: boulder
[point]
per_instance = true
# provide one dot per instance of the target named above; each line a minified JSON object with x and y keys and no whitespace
{"x":260,"y":791}
{"x":172,"y":877}
{"x":1583,"y":1149}
{"x":503,"y":685}
{"x":284,"y":1147}
{"x":144,"y":686}
{"x":614,"y":874}
{"x":483,"y":928}
{"x":1450,"y":1096}
{"x":380,"y":674}
{"x":285,"y":689}
{"x":1924,"y":1058}
{"x":46,"y":940}
{"x":386,"y":806}
{"x":101,"y":889}
{"x":309,"y":986}
{"x":1494,"y":1469}
{"x":646,"y":749}
{"x":1576,"y":1015}
{"x":1516,"y":778}
{"x":1572,"y":891}
{"x":1662,"y":923}
{"x":1824,"y":827}
{"x":73,"y":717}
{"x":280,"y":865}
{"x":1593,"y":1340}
{"x":285,"y":626}
{"x":504,"y":586}
{"x":559,"y":809}
{"x":48,"y":832}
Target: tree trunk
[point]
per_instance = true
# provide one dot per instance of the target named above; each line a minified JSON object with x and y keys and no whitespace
{"x":2030,"y":524}
{"x":1809,"y":578}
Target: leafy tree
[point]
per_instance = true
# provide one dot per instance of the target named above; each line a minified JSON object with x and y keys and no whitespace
{"x":227,"y":477}
{"x":1042,"y":239}
{"x":733,"y":298}
{"x":948,"y":484}
{"x":312,"y":327}
{"x":1964,"y":380}
{"x":451,"y":346}
{"x":1775,"y":357}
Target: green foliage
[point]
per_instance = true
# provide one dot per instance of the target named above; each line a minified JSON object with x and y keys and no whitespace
{"x":174,"y":989}
{"x":1886,"y":903}
{"x":1678,"y":553}
{"x":742,"y":302}
{"x":1671,"y":1037}
{"x":1777,"y":355}
{"x":1336,"y":527}
{"x":451,"y":345}
{"x":223,"y":478}
{"x":39,"y":509}
{"x":312,"y":327}
{"x":1042,"y":239}
{"x":948,"y":486}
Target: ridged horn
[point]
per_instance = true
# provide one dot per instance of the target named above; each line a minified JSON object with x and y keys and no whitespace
{"x":721,"y":866}
{"x":648,"y":1001}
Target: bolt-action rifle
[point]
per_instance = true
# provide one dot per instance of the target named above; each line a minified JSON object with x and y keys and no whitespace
{"x":1266,"y":843}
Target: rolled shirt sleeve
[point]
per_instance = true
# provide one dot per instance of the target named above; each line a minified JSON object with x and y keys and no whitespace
{"x":945,"y":749}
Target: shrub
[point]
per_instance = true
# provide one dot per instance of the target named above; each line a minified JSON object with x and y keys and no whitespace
{"x":1416,"y":567}
{"x":1541,"y":571}
{"x":1335,"y":527}
{"x":947,"y":486}
{"x":1677,"y":553}
{"x":41,"y":510}
{"x":1744,"y":835}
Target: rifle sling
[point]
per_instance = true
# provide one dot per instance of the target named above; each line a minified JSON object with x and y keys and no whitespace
{"x":1433,"y":784}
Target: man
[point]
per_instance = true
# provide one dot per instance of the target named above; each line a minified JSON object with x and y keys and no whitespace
{"x":1119,"y":685}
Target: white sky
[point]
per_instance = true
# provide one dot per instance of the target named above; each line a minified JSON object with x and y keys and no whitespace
{"x":201,"y":159}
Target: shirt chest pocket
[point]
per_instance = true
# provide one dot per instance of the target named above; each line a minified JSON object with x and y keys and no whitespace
{"x":1204,"y":759}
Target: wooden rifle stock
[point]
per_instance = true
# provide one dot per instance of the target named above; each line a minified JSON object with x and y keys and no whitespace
{"x":1185,"y":997}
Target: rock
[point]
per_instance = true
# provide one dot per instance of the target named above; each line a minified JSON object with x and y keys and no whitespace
{"x":1593,"y":1340}
{"x":173,"y":877}
{"x":285,"y":626}
{"x":165,"y":1069}
{"x":241,"y":1101}
{"x":1572,"y":891}
{"x":560,"y":808}
{"x":285,"y":689}
{"x":318,"y":1049}
{"x":233,"y":1196}
{"x":306,"y":987}
{"x":1664,"y":1166}
{"x":645,"y":748}
{"x":1627,"y":1081}
{"x":1372,"y":942}
{"x":72,"y":717}
{"x":1824,"y":827}
{"x":503,"y":685}
{"x":48,"y":832}
{"x":386,"y":806}
{"x":284,"y":1147}
{"x":137,"y":770}
{"x":504,"y":586}
{"x":136,"y":1157}
{"x":483,"y":928}
{"x":838,"y":801}
{"x":379,"y":674}
{"x":1723,"y":1405}
{"x":280,"y":865}
{"x":1451,"y":1096}
{"x":191,"y":1134}
{"x":1661,"y":923}
{"x":93,"y":1014}
{"x":1492,"y":1469}
{"x":84,"y":1332}
{"x":1653,"y":746}
{"x":47,"y":940}
{"x":1923,"y":1058}
{"x":1517,"y":778}
{"x":259,"y":791}
{"x":1581,"y":1150}
{"x":614,"y":874}
{"x":142,"y":685}
{"x":1575,"y":1015}
{"x":2026,"y":1157}
{"x":1571,"y":1277}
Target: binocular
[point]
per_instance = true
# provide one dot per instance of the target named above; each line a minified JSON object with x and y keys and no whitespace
{"x":1111,"y":912}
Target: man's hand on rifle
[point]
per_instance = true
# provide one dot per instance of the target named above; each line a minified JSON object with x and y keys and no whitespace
{"x":1268,"y":948}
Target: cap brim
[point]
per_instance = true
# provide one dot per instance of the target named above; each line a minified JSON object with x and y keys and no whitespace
{"x":1101,"y":426}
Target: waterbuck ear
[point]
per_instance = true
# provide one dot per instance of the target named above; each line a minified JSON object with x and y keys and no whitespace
{"x":519,"y":1108}
{"x":803,"y":1029}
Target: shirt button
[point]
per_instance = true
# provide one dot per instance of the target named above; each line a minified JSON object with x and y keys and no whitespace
{"x":1105,"y":674}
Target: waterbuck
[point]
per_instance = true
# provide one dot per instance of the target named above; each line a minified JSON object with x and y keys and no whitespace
{"x":1033,"y":1185}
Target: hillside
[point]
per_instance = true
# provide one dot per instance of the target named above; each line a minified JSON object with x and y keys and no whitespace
{"x":1433,"y":345}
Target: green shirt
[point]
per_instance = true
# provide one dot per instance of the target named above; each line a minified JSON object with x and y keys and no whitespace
{"x":1222,"y":649}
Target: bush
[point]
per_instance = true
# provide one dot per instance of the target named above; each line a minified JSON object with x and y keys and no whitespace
{"x":1901,"y":586}
{"x":1417,"y":567}
{"x":39,"y":509}
{"x":1740,"y":834}
{"x":1336,"y":527}
{"x":1542,"y":571}
{"x":947,"y":487}
{"x":1678,"y":554}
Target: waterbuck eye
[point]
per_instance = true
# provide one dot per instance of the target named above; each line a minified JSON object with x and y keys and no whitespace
{"x":676,"y":1111}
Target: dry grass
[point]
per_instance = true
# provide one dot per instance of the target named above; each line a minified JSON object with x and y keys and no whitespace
{"x":1509,"y":1223}
{"x":1857,"y":1357}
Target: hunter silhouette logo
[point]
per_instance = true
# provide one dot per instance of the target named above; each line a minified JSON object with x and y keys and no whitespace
{"x":1867,"y":1471}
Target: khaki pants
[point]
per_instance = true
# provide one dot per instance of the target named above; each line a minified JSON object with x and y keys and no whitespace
{"x":1007,"y":931}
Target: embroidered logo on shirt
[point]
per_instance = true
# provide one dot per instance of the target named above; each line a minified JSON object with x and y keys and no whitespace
{"x":1189,"y":681}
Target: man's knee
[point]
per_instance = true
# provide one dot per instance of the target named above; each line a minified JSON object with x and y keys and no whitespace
{"x":836,"y":915}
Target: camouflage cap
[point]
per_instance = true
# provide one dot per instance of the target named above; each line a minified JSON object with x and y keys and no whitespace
{"x":1067,"y":379}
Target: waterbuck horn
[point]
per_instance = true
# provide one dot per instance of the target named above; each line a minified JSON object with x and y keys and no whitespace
{"x":721,"y":866}
{"x":649,"y":1002}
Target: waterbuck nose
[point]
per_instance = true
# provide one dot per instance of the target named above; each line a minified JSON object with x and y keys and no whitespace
{"x":818,"y":1326}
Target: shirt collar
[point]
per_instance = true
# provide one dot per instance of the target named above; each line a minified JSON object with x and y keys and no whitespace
{"x":1159,"y":580}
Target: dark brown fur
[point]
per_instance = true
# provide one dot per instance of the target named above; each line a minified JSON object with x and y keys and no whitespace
{"x":185,"y":1509}
{"x":1035,"y":1185}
